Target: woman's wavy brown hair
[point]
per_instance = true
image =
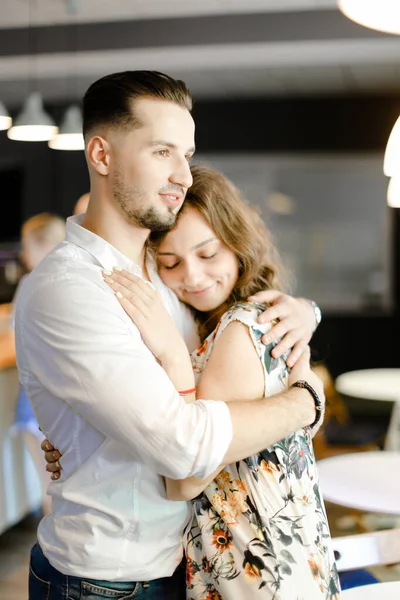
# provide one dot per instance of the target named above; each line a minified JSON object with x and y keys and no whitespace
{"x":239,"y":226}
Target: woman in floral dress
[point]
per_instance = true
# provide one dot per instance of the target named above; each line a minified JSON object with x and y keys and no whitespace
{"x":259,"y":528}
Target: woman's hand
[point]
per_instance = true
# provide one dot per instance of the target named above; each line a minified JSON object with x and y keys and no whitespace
{"x":52,"y":457}
{"x":295,"y":323}
{"x":144,"y":306}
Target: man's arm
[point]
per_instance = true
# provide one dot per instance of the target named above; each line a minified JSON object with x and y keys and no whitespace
{"x":75,"y":341}
{"x":231,"y":375}
{"x":81,"y":347}
{"x":234,"y":373}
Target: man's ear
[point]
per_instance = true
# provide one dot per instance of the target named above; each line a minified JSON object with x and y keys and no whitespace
{"x":98,"y":154}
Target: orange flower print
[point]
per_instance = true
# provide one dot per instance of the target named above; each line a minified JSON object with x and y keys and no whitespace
{"x":191,"y":569}
{"x":305,"y":500}
{"x":205,"y":565}
{"x":202,"y":348}
{"x":217,"y":500}
{"x":222,"y":479}
{"x":268,"y":467}
{"x":221,"y":540}
{"x":237,"y":503}
{"x":315,"y":567}
{"x":240,"y":486}
{"x":212,"y":595}
{"x":251,"y":573}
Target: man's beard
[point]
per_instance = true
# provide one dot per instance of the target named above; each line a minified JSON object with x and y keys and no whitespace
{"x":132,"y":201}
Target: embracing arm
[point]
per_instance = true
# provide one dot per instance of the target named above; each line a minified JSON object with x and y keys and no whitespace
{"x":256,"y":423}
{"x":295,"y":319}
{"x":234,"y":373}
{"x":230,"y":375}
{"x":78,"y":343}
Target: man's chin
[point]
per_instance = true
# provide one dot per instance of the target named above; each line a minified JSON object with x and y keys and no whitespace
{"x":163,"y":226}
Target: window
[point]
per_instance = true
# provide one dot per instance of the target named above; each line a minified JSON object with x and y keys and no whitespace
{"x":329,"y":219}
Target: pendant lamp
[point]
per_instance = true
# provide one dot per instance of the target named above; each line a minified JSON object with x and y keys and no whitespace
{"x":393,"y":193}
{"x":70,"y":135}
{"x":383,"y":15}
{"x":391,"y":161}
{"x":33,"y":124}
{"x":5,"y":119}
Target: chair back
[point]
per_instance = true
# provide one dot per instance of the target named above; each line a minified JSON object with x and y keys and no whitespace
{"x":367,"y":549}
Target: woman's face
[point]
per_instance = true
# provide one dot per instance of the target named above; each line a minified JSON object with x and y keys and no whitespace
{"x":195,"y":264}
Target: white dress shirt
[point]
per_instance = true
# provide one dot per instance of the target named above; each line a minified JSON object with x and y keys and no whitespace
{"x":102,"y":398}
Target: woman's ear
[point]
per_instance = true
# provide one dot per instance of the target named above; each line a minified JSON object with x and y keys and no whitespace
{"x":98,"y":154}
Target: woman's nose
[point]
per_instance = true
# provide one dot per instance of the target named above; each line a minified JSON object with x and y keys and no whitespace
{"x":193,"y":276}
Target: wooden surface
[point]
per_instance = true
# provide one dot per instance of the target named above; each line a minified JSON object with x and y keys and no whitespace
{"x":7,"y":345}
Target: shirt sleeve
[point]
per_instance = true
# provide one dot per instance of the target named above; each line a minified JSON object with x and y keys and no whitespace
{"x":76,"y":341}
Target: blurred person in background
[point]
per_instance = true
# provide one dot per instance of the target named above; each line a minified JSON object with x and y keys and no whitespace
{"x":39,"y":234}
{"x":81,"y":204}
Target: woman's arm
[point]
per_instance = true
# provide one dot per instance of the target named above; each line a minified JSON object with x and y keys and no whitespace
{"x":233,"y":372}
{"x":144,"y":306}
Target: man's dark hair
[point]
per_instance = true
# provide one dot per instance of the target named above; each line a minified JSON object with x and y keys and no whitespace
{"x":109,"y":100}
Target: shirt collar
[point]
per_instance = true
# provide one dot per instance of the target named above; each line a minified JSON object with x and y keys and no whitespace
{"x":103,"y":252}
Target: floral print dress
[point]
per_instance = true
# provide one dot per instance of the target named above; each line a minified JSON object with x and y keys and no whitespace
{"x":260,"y":530}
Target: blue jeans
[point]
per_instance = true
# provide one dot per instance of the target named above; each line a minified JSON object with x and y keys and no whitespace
{"x":46,"y":583}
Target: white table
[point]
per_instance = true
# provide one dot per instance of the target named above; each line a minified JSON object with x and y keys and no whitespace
{"x":368,"y":481}
{"x":372,"y":384}
{"x":376,"y":384}
{"x":388,"y":590}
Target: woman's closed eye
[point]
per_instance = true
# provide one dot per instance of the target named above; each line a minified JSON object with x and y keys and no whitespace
{"x":209,"y":256}
{"x":168,"y":267}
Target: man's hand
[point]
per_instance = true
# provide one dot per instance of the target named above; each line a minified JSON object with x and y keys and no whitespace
{"x":295,"y":323}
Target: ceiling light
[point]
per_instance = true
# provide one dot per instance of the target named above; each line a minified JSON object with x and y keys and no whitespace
{"x":383,"y":15}
{"x":33,"y":124}
{"x":70,"y":135}
{"x":391,"y":161}
{"x":393,"y":194}
{"x":5,"y":119}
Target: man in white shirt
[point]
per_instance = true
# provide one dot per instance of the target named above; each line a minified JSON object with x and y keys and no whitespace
{"x":99,"y":394}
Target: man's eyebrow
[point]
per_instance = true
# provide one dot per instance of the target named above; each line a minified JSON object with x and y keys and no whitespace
{"x":170,"y":145}
{"x":196,"y":247}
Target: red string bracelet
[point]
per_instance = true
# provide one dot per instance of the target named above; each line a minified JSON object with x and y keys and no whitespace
{"x":187,"y":392}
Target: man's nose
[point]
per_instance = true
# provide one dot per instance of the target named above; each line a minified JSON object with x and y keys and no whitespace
{"x":182,"y":175}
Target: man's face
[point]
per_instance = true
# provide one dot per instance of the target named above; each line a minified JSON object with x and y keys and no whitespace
{"x":149,"y":167}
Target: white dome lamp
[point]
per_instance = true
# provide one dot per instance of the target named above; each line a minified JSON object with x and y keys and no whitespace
{"x":5,"y":119}
{"x":33,"y":124}
{"x":393,"y":193}
{"x":383,"y":15}
{"x":391,"y":161}
{"x":70,"y":135}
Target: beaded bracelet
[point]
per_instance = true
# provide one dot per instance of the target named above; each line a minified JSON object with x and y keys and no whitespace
{"x":187,"y":392}
{"x":317,"y":401}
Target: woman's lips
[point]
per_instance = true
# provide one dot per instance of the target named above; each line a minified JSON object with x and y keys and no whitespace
{"x":200,"y":292}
